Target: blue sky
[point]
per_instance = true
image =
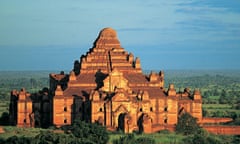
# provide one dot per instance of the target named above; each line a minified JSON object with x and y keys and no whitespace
{"x":186,"y":34}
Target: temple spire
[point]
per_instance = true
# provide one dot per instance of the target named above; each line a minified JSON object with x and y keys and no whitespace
{"x":107,"y":39}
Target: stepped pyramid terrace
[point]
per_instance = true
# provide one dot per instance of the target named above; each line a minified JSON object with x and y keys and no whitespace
{"x":107,"y":86}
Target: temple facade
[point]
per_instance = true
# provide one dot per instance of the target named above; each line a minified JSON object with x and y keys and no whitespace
{"x":106,"y":86}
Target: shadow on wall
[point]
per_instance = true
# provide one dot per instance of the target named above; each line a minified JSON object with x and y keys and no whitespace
{"x":4,"y":119}
{"x":99,"y":77}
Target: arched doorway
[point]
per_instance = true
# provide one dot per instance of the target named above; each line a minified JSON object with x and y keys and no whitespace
{"x":144,"y":123}
{"x":121,"y":124}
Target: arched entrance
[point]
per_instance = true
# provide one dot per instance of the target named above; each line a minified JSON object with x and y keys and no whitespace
{"x":144,"y":123}
{"x":121,"y":124}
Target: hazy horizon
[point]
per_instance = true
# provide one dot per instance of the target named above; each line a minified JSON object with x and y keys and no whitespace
{"x":188,"y":34}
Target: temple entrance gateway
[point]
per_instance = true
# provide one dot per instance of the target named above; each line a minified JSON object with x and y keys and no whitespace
{"x":121,"y":124}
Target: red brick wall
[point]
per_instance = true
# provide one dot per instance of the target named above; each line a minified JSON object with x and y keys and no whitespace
{"x":225,"y":130}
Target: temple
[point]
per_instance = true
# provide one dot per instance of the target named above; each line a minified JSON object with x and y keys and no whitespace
{"x":106,"y":86}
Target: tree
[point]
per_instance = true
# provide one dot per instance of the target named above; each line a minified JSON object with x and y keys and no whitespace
{"x":4,"y":119}
{"x":224,"y":99}
{"x":187,"y":124}
{"x":89,"y":132}
{"x":201,"y":136}
{"x":33,"y":82}
{"x":237,"y":105}
{"x":46,"y":137}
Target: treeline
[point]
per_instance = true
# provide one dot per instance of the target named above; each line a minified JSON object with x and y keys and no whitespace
{"x":215,"y":89}
{"x":33,"y":81}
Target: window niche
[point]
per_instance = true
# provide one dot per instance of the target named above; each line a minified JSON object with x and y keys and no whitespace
{"x":65,"y":109}
{"x":165,"y":108}
{"x":151,"y":109}
{"x":165,"y":120}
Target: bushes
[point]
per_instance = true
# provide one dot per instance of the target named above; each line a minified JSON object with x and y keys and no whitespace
{"x":93,"y":132}
{"x":79,"y":132}
{"x":187,"y":124}
{"x":17,"y":140}
{"x":202,"y":137}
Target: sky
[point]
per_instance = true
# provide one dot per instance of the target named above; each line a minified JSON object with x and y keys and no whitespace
{"x":186,"y":34}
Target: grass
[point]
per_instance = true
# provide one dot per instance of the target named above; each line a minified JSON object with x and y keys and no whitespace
{"x":214,"y":97}
{"x":217,"y":106}
{"x":220,"y":107}
{"x":160,"y":138}
{"x":3,"y":107}
{"x":15,"y":131}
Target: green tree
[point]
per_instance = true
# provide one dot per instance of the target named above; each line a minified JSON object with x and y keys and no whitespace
{"x":236,"y":139}
{"x":224,"y":99}
{"x":4,"y":119}
{"x":237,"y":105}
{"x":33,"y":82}
{"x":187,"y":124}
{"x":46,"y":137}
{"x":87,"y":131}
{"x":2,"y":141}
{"x":201,"y":136}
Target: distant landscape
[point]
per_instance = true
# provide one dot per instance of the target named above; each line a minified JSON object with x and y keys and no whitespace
{"x":220,"y":90}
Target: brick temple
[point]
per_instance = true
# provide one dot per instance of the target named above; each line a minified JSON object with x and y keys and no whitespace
{"x":107,"y":86}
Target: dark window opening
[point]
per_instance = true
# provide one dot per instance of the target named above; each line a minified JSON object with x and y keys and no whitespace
{"x":65,"y":109}
{"x":165,"y":121}
{"x":140,"y":110}
{"x":100,"y":109}
{"x":166,"y":109}
{"x":24,"y":120}
{"x":151,"y":109}
{"x":65,"y":121}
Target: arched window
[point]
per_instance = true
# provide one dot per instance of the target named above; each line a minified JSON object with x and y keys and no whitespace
{"x":65,"y":120}
{"x":151,"y":109}
{"x":165,"y":120}
{"x":165,"y":108}
{"x":65,"y":109}
{"x":140,"y":110}
{"x":100,"y":109}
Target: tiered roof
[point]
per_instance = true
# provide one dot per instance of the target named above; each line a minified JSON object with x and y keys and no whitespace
{"x":105,"y":56}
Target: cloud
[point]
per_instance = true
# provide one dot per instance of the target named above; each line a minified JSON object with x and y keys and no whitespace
{"x":204,"y":21}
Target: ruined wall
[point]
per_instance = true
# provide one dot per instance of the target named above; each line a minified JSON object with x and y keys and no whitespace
{"x":223,"y":130}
